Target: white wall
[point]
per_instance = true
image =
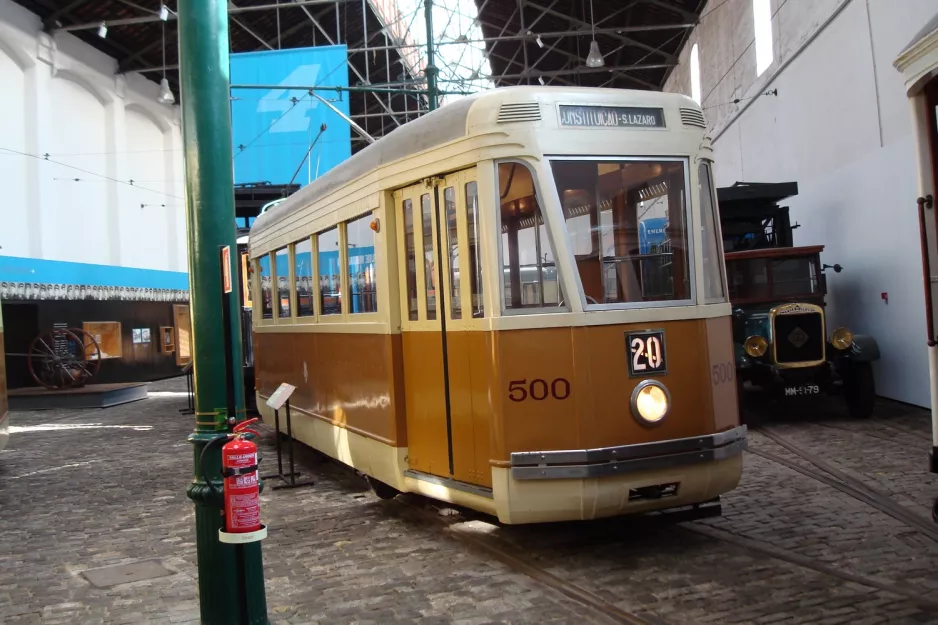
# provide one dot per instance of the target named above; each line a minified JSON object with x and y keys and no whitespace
{"x":840,"y":127}
{"x":61,"y":98}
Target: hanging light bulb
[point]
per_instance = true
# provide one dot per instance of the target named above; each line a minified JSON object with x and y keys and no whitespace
{"x":595,"y":58}
{"x":166,"y":94}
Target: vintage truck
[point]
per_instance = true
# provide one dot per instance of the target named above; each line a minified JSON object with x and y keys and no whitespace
{"x":781,"y":336}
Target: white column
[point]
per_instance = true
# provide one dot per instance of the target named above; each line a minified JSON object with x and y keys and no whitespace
{"x":116,"y":151}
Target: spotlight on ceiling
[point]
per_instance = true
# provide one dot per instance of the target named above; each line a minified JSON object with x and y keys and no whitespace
{"x":164,"y":12}
{"x":595,"y":58}
{"x":539,"y":42}
{"x":540,"y":79}
{"x":102,"y":30}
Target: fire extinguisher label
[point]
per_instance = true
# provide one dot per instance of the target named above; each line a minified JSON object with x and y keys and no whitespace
{"x":242,"y":460}
{"x":246,"y":481}
{"x":245,"y":511}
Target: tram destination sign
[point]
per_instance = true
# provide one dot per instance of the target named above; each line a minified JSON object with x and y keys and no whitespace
{"x":611,"y":116}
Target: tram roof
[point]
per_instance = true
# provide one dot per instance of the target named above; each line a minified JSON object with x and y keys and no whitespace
{"x":445,"y":124}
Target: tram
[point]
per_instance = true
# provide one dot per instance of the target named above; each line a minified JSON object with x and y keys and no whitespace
{"x":4,"y":402}
{"x":487,"y":328}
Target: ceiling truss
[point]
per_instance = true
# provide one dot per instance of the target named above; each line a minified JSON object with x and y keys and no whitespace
{"x":524,"y":42}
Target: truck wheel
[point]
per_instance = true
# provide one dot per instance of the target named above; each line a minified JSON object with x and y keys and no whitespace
{"x":859,"y":389}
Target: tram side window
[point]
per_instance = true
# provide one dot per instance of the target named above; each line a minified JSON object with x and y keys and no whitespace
{"x":411,"y":259}
{"x":363,"y":295}
{"x":530,"y":272}
{"x":282,"y":267}
{"x":452,"y":249}
{"x":713,"y":264}
{"x":635,"y":246}
{"x":330,"y":273}
{"x":267,"y":300}
{"x":303,"y":272}
{"x":426,"y":244}
{"x":475,"y":241}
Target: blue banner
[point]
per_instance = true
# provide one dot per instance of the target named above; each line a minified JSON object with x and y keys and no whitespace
{"x":272,"y":129}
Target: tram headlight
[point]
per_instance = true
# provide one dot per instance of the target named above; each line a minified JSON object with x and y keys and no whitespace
{"x":842,"y":338}
{"x":650,"y":402}
{"x":756,"y":345}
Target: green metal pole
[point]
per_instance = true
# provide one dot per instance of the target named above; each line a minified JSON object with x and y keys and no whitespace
{"x":431,"y":71}
{"x":210,"y":216}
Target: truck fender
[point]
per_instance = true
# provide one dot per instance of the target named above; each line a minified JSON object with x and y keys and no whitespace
{"x":742,"y":358}
{"x":864,"y":348}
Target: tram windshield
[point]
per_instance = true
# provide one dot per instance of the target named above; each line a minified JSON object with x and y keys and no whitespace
{"x":627,"y":223}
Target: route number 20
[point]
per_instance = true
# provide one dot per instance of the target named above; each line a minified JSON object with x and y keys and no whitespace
{"x":646,"y":353}
{"x":538,"y":390}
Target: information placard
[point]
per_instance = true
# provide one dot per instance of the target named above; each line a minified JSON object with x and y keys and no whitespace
{"x":279,"y":397}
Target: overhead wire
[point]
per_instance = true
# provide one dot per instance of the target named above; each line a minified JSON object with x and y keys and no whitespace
{"x":90,"y":173}
{"x":295,"y":101}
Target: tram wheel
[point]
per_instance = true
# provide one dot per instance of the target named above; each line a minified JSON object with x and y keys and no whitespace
{"x":382,"y":490}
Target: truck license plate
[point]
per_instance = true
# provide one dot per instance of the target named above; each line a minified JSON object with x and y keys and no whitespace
{"x":804,"y":389}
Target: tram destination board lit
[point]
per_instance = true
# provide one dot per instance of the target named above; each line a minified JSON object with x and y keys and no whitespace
{"x":611,"y":116}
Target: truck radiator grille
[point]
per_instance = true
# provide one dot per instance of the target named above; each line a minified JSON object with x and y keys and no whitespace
{"x":799,"y":338}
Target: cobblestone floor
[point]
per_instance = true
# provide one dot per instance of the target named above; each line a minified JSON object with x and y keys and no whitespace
{"x":88,"y":489}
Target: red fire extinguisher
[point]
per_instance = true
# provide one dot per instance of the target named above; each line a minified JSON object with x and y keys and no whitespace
{"x":241,"y":494}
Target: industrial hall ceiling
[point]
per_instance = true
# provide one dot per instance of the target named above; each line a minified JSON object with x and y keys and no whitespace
{"x":522,"y":42}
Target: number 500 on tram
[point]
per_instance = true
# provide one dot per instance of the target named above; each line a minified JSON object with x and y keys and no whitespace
{"x":515,"y":303}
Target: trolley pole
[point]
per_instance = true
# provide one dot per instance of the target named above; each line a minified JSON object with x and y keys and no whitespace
{"x":431,"y":71}
{"x":210,"y":220}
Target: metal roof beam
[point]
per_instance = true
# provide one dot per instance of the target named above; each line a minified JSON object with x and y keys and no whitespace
{"x":577,"y":70}
{"x":619,"y":73}
{"x":246,"y":28}
{"x":50,"y":22}
{"x":143,"y":19}
{"x":617,"y":32}
{"x":685,"y":15}
{"x":349,"y":63}
{"x":504,"y":28}
{"x":124,"y":64}
{"x":579,"y":32}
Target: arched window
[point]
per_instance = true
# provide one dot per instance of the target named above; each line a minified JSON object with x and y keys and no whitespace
{"x":695,"y":74}
{"x":762,"y":22}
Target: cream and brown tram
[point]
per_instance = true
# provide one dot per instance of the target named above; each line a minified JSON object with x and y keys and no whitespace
{"x":4,"y":405}
{"x":515,"y":303}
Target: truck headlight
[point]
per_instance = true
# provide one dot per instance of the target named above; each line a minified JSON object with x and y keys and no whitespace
{"x":650,"y":402}
{"x":756,"y":346}
{"x":842,"y":338}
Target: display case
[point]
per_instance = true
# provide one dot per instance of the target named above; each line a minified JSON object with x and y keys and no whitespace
{"x":108,"y":336}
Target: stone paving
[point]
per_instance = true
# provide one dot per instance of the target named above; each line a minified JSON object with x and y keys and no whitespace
{"x":88,"y":489}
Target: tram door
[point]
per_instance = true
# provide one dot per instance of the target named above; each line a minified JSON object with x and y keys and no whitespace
{"x":441,"y":306}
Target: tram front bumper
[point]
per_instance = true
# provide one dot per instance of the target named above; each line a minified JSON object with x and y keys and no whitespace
{"x":593,"y":483}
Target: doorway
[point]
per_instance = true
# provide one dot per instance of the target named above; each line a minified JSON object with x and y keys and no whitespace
{"x":441,"y":305}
